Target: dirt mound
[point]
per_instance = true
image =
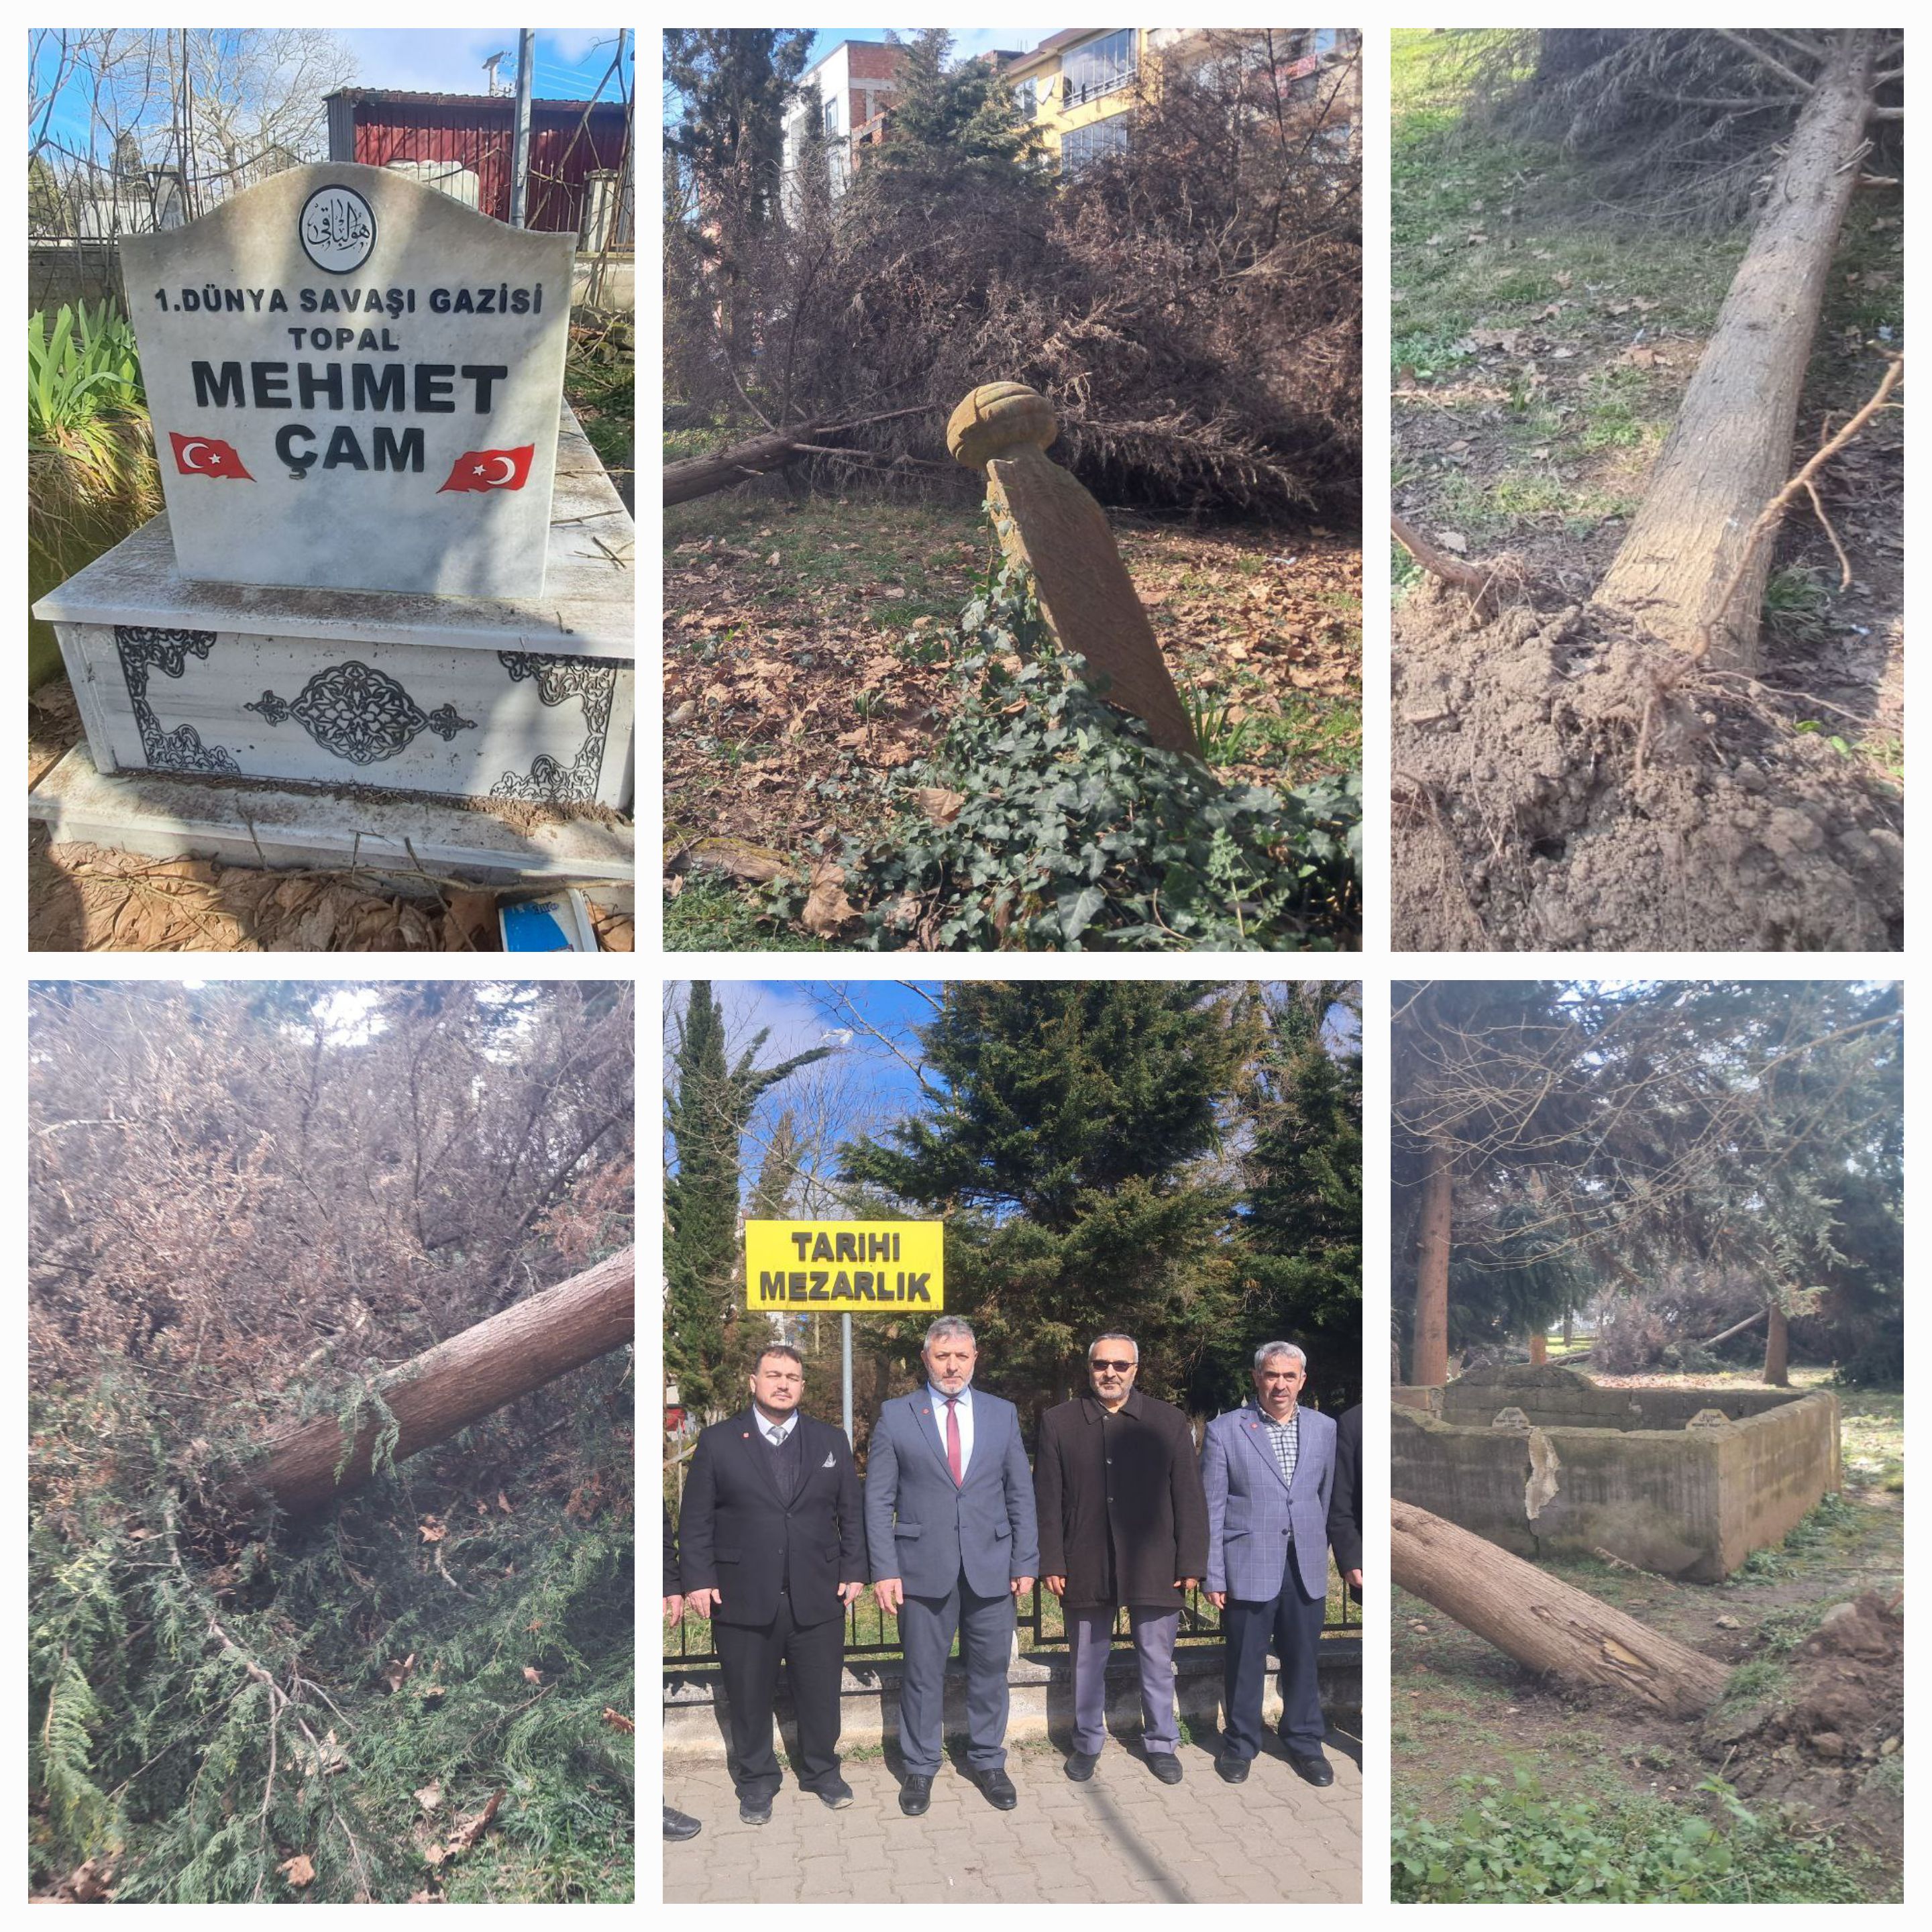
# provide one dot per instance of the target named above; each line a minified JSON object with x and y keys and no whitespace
{"x":1831,"y":1745}
{"x":1563,"y":785}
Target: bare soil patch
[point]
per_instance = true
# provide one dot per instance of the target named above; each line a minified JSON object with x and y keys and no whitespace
{"x":1563,"y":785}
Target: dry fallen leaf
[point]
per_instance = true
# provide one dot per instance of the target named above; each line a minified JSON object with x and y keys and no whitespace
{"x":467,"y":1833}
{"x":398,"y":1671}
{"x":827,"y":910}
{"x":618,"y":1721}
{"x":532,"y":1674}
{"x":430,"y":1796}
{"x":938,"y":804}
{"x":434,"y":1856}
{"x":1452,"y":540}
{"x":298,"y":1870}
{"x":430,"y":1529}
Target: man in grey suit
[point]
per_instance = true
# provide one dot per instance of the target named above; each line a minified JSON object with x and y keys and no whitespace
{"x":1269,"y":1470}
{"x":949,"y":1520}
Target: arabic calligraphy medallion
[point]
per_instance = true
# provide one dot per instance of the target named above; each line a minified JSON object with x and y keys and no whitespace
{"x":337,"y":229}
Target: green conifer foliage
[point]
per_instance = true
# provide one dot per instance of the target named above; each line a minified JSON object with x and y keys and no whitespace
{"x":707,"y":1110}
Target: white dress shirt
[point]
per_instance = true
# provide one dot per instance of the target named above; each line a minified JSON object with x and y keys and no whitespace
{"x":964,"y":1399}
{"x":775,"y":1433}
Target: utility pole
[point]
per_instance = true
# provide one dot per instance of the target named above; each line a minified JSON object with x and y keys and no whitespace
{"x":519,"y":153}
{"x":490,"y":85}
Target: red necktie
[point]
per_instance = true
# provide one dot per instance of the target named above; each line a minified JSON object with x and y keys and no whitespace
{"x":953,"y":1442}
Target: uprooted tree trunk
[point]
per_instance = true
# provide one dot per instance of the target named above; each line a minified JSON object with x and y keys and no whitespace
{"x":448,"y":1387}
{"x":1693,"y":568}
{"x":1546,"y":1625}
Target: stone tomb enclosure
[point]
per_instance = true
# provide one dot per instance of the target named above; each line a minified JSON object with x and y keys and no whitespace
{"x":1686,"y":1482}
{"x":355,"y":382}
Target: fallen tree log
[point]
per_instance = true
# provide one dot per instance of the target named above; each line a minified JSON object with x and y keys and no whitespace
{"x":1546,"y":1625}
{"x":694,"y":476}
{"x":1692,"y":569}
{"x":446,"y":1388}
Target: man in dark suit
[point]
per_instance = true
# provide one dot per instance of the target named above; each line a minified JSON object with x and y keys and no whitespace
{"x":678,"y":1825}
{"x":772,"y":1551}
{"x":1122,"y":1520}
{"x":1345,"y":1506}
{"x":949,"y":1519}
{"x":1269,"y":1471}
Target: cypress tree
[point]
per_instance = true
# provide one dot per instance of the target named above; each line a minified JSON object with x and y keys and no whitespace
{"x":709,"y":1109}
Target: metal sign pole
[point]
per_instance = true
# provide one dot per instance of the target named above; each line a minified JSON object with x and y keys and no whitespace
{"x":845,"y":1383}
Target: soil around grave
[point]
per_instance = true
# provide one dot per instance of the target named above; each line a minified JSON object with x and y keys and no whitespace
{"x":1821,"y":1616}
{"x":1563,"y":784}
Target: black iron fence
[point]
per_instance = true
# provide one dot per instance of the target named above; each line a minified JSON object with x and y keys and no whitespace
{"x":871,"y":1632}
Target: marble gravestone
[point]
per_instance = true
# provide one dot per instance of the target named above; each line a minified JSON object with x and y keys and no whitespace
{"x":390,"y":558}
{"x":354,"y":381}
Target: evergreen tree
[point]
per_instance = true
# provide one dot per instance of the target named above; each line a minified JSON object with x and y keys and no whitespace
{"x":1066,"y":1148}
{"x":1302,"y":1234}
{"x":708,"y":1109}
{"x":953,"y":128}
{"x":44,"y":208}
{"x":734,"y":86}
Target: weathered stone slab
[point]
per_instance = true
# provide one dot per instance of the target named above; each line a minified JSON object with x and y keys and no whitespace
{"x":1048,"y":522}
{"x":355,"y":382}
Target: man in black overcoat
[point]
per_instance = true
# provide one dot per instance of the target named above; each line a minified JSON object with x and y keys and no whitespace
{"x":1345,"y":1506}
{"x":1123,"y":1520}
{"x":772,"y":1548}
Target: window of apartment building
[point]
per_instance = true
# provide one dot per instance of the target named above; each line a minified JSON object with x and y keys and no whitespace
{"x":1080,"y":145}
{"x":1026,"y":98}
{"x":831,"y":120}
{"x":1102,"y":66}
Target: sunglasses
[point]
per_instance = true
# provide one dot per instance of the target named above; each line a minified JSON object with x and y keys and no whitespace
{"x":1119,"y":1368}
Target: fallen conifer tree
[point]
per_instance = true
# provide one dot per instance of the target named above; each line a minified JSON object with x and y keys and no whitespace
{"x":427,"y":1399}
{"x":1547,"y":1626}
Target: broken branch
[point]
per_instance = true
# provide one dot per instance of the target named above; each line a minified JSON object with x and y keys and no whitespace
{"x":1770,"y":60}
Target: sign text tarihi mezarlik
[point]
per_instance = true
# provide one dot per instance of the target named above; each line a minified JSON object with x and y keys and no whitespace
{"x":844,"y":1266}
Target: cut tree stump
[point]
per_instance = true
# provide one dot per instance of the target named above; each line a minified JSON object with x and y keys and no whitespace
{"x":459,"y":1382}
{"x":1563,"y":1632}
{"x":1692,"y":569}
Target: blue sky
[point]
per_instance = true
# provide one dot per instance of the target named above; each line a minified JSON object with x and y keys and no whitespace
{"x":967,"y":42}
{"x":864,"y":1085}
{"x":569,"y":63}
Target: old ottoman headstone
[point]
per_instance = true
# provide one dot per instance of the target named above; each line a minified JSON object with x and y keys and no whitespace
{"x":390,"y":558}
{"x":1047,"y":521}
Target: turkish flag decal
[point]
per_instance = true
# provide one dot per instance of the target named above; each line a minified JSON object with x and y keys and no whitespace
{"x":207,"y":456}
{"x":491,"y":470}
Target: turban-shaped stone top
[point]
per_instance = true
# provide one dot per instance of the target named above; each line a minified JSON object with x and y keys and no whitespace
{"x":999,"y":416}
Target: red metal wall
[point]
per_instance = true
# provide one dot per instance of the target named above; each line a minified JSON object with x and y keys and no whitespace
{"x":475,"y":131}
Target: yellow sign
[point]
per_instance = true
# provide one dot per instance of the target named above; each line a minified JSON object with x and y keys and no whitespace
{"x":856,"y":1267}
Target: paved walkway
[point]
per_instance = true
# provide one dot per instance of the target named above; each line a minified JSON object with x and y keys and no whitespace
{"x":1122,"y":1837}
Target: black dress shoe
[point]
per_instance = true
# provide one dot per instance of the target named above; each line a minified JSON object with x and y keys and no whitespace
{"x":915,"y":1795}
{"x":678,"y":1826}
{"x":1312,"y":1768}
{"x":1231,"y":1770}
{"x":1080,"y":1765}
{"x":754,"y":1808}
{"x":998,"y":1788}
{"x":1166,"y":1766}
{"x":835,"y":1793}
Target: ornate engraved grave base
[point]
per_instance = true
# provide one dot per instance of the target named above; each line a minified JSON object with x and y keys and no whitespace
{"x":450,"y":697}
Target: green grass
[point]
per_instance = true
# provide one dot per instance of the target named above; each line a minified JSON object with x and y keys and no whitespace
{"x":1512,"y":1844}
{"x":900,"y":559}
{"x":1872,"y":1439}
{"x":711,"y":915}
